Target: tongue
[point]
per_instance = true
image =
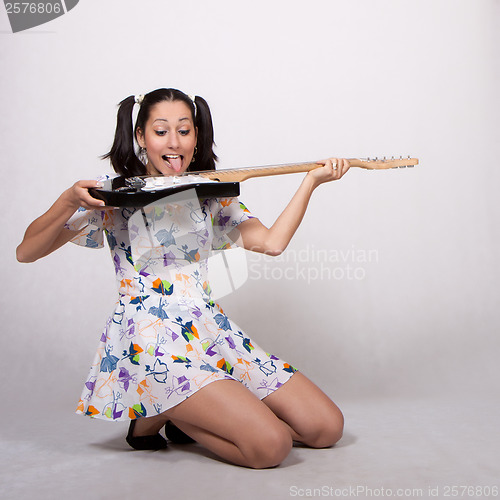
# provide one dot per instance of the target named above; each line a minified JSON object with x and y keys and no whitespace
{"x":176,"y":163}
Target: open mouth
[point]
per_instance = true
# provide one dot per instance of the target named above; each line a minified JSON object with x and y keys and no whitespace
{"x":174,"y":161}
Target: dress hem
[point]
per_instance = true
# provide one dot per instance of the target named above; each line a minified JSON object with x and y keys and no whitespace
{"x":100,"y":416}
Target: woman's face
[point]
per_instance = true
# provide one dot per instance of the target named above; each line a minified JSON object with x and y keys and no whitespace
{"x":169,"y":138}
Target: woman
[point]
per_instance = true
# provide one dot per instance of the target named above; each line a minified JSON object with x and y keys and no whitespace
{"x":169,"y":356}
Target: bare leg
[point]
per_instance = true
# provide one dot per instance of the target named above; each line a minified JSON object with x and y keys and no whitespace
{"x":229,"y":420}
{"x":312,"y":417}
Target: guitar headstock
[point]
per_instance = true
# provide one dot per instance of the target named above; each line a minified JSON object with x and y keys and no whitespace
{"x":383,"y":163}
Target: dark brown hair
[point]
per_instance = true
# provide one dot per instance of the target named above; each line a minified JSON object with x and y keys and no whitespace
{"x":123,"y":156}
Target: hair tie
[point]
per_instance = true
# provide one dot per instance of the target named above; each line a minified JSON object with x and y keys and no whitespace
{"x":193,"y":97}
{"x":139,"y":98}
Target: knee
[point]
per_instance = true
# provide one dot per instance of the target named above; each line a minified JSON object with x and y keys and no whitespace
{"x":270,"y":448}
{"x":325,"y":432}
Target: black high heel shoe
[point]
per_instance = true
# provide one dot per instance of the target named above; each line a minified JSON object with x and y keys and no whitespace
{"x":175,"y":435}
{"x":153,"y":442}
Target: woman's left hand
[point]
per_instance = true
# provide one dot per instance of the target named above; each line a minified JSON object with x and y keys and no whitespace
{"x":332,"y":170}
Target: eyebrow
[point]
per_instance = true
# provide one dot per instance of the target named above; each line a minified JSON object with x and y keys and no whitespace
{"x":165,"y":120}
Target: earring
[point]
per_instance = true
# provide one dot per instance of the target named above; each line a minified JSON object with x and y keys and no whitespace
{"x":143,"y":156}
{"x":194,"y":154}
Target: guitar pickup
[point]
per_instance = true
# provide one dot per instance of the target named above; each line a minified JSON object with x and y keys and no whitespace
{"x":136,"y":183}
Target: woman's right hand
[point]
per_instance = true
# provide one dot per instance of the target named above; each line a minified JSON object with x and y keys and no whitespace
{"x":78,"y":195}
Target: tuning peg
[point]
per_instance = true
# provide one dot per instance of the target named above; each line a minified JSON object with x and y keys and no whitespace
{"x":369,"y":160}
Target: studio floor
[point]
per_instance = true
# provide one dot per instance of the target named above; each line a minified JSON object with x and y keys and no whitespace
{"x":400,"y":448}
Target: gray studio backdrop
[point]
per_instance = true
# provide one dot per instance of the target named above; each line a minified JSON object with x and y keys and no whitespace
{"x":389,"y":287}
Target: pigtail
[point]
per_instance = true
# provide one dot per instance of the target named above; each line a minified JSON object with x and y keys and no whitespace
{"x":122,"y":154}
{"x":205,"y":157}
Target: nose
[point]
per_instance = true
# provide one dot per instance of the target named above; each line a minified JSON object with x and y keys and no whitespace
{"x":172,"y":140}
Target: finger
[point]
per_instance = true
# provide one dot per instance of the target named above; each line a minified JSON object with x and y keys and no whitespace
{"x":345,"y":166}
{"x":335,"y":169}
{"x":86,"y":183}
{"x":340,"y":168}
{"x":85,"y":198}
{"x":330,"y":169}
{"x":105,"y":208}
{"x":335,"y":163}
{"x":90,"y":200}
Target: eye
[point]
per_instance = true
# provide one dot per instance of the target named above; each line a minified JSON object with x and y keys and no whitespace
{"x":160,"y":132}
{"x":184,"y":132}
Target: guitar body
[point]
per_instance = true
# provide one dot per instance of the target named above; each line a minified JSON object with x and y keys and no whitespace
{"x":116,"y":193}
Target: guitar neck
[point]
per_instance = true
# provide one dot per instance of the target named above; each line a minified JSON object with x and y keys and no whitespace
{"x":242,"y":174}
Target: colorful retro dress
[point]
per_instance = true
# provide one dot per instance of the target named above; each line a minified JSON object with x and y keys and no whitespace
{"x":167,"y":338}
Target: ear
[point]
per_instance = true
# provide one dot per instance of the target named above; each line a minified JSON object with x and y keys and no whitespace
{"x":139,"y":136}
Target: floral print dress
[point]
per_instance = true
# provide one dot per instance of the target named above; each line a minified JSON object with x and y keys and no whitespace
{"x":167,"y":338}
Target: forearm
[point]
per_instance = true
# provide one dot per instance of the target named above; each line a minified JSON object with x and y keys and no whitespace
{"x":274,"y":240}
{"x":285,"y":226}
{"x":43,"y":234}
{"x":47,"y":233}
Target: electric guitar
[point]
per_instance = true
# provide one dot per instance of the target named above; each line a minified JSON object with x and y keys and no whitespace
{"x":143,"y":190}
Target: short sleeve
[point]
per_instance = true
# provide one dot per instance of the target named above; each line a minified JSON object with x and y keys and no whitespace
{"x":90,"y":225}
{"x":227,"y":214}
